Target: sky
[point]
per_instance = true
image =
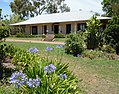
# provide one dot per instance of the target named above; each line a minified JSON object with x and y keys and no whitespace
{"x":75,"y":5}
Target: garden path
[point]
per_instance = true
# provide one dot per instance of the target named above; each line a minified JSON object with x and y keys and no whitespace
{"x":34,"y":41}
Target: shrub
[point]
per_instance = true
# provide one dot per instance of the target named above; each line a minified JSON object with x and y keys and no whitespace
{"x":7,"y":50}
{"x":20,"y":35}
{"x":108,"y":49}
{"x":92,"y":54}
{"x":94,"y":37}
{"x":112,"y":34}
{"x":74,"y":44}
{"x":60,"y":35}
{"x":4,"y":32}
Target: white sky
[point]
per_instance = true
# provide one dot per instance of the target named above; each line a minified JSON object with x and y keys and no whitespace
{"x":86,"y":5}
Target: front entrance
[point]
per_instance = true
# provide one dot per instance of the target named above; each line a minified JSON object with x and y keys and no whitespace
{"x":68,"y":28}
{"x":45,"y":29}
{"x":56,"y":29}
{"x":34,"y":30}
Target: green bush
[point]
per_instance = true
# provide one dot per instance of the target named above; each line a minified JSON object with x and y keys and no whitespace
{"x":4,"y":32}
{"x":93,"y":54}
{"x":74,"y":44}
{"x":94,"y":37}
{"x":7,"y":50}
{"x":112,"y":34}
{"x":60,"y":35}
{"x":108,"y":49}
{"x":22,"y":35}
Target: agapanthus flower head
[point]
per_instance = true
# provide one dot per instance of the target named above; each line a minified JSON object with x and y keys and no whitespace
{"x":59,"y":46}
{"x":50,"y":68}
{"x":63,"y":76}
{"x":33,"y":50}
{"x":33,"y":82}
{"x":49,"y":49}
{"x":78,"y":55}
{"x":18,"y":79}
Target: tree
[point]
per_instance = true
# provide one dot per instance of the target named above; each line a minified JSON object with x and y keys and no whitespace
{"x":111,"y":7}
{"x":4,"y":31}
{"x":21,"y":7}
{"x":56,"y":6}
{"x":14,"y":19}
{"x":112,"y":33}
{"x":93,"y":38}
{"x":0,"y":14}
{"x":31,"y":8}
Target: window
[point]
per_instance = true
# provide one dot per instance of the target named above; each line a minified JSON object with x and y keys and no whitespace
{"x":100,"y":29}
{"x":68,"y":28}
{"x":81,"y":26}
{"x":34,"y":30}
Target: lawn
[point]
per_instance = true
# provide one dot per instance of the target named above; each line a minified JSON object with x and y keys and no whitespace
{"x":37,"y":39}
{"x":96,"y":76}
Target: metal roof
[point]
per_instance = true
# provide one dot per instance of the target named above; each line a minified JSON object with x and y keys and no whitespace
{"x":60,"y":17}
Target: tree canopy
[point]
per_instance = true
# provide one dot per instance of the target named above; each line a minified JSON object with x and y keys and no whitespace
{"x":31,"y":8}
{"x":111,"y":7}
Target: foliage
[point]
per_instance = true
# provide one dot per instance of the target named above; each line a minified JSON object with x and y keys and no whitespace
{"x":0,"y":14}
{"x":60,"y":35}
{"x":108,"y":49}
{"x":31,"y":8}
{"x":111,"y":7}
{"x":93,"y":54}
{"x":4,"y":32}
{"x":106,"y":70}
{"x":74,"y":44}
{"x":93,"y":36}
{"x":112,"y":32}
{"x":7,"y":50}
{"x":58,"y":81}
{"x":22,"y":35}
{"x":14,"y":19}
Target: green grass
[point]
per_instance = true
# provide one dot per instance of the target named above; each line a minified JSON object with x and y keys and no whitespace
{"x":96,"y":76}
{"x":37,"y":39}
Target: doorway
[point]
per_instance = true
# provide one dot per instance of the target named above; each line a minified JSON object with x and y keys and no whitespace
{"x":68,"y":28}
{"x":56,"y":29}
{"x":34,"y":30}
{"x":45,"y":29}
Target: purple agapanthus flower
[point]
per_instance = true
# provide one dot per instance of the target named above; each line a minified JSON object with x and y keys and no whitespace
{"x":59,"y":46}
{"x":49,"y":49}
{"x":63,"y":76}
{"x":78,"y":55}
{"x":18,"y":79}
{"x":33,"y":82}
{"x":33,"y":50}
{"x":50,"y":68}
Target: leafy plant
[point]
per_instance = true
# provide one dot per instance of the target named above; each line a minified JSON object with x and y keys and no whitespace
{"x":94,"y":37}
{"x":74,"y":44}
{"x":54,"y":77}
{"x":112,"y":32}
{"x":60,"y":35}
{"x":93,"y":54}
{"x":4,"y":32}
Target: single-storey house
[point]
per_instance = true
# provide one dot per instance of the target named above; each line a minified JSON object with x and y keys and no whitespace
{"x":59,"y":22}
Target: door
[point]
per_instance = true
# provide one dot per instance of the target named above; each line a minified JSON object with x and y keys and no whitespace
{"x":34,"y":30}
{"x":68,"y":28}
{"x":45,"y":29}
{"x":56,"y":29}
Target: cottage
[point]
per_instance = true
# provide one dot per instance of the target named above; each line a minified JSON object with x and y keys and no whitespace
{"x":59,"y":22}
